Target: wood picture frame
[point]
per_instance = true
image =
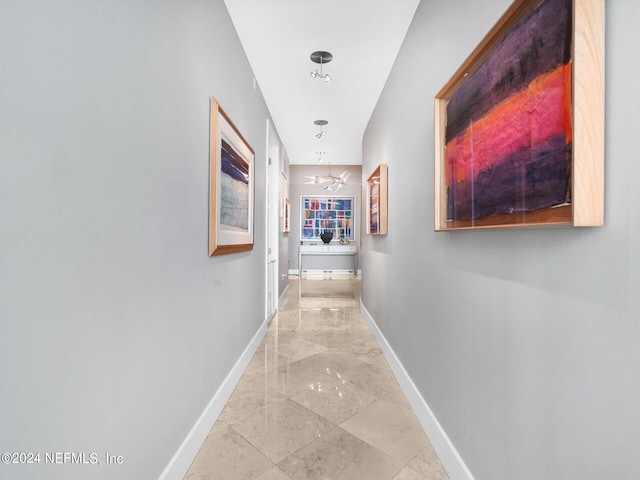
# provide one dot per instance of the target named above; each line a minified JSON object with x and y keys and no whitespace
{"x":327,"y":213}
{"x":286,"y":216}
{"x":376,"y":206}
{"x":231,"y":186}
{"x":468,"y":187}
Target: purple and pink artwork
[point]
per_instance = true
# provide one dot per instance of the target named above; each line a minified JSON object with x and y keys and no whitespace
{"x":508,"y":134}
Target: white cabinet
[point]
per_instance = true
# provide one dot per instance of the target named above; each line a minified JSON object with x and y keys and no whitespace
{"x":328,"y":249}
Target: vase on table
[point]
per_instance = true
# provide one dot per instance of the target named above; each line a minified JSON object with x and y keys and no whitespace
{"x":326,"y":237}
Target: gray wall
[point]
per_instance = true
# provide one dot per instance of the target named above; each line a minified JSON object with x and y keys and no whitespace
{"x":116,"y":327}
{"x":298,"y":187}
{"x":525,"y":343}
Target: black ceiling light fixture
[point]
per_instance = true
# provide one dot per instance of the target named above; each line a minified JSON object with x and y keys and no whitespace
{"x":321,"y":57}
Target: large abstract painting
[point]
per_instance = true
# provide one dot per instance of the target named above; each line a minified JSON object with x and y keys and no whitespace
{"x":234,"y":190}
{"x":507,"y":124}
{"x":231,"y":162}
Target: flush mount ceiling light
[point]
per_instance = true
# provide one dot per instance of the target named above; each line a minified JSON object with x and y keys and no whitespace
{"x":321,"y":133}
{"x":321,"y":58}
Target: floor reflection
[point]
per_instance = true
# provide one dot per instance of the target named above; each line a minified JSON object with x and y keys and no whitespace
{"x":317,"y":401}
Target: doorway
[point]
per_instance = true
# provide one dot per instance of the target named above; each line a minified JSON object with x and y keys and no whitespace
{"x":272,"y":216}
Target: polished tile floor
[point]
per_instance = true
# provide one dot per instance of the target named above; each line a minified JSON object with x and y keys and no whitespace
{"x":318,"y":401}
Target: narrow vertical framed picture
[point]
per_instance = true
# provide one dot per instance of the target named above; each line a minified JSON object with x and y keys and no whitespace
{"x":286,"y":216}
{"x":231,"y":186}
{"x":377,"y":201}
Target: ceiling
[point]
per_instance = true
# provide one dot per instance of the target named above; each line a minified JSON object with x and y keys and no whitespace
{"x":363,"y":36}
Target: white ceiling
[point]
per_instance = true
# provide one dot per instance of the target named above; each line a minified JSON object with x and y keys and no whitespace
{"x":363,"y":36}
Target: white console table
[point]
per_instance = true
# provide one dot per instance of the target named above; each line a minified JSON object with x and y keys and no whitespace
{"x":328,"y":249}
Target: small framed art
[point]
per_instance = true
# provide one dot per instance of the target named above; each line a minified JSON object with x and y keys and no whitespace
{"x":286,"y":216}
{"x":231,"y":186}
{"x":377,"y":201}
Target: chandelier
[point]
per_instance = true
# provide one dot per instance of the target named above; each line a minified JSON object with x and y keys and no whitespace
{"x":333,"y":182}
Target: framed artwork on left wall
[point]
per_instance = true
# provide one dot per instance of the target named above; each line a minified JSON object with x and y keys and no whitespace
{"x":286,"y":216}
{"x":231,"y":186}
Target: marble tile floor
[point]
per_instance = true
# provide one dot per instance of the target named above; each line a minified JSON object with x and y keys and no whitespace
{"x":318,"y":401}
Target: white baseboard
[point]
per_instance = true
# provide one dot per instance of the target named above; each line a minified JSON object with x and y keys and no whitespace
{"x":182,"y":459}
{"x":449,"y":456}
{"x":319,"y":271}
{"x":283,"y":296}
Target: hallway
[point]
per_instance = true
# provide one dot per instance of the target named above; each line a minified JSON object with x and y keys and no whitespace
{"x":317,"y":401}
